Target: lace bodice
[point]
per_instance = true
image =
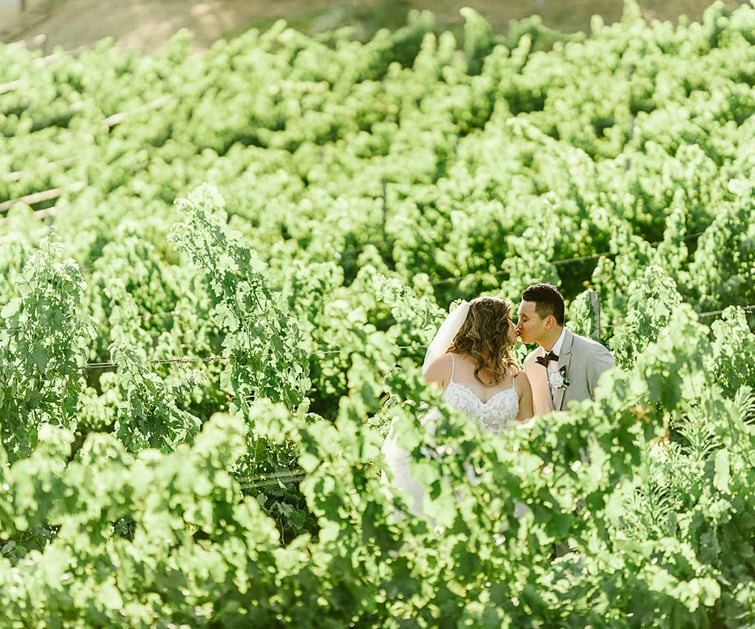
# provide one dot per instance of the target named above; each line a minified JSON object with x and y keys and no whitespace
{"x":494,"y":415}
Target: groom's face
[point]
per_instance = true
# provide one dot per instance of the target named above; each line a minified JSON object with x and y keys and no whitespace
{"x":530,"y":326}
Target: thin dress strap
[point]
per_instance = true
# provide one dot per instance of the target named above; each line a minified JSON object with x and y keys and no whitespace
{"x":453,"y":366}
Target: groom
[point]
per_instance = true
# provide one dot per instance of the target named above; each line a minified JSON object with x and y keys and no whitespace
{"x":565,"y":366}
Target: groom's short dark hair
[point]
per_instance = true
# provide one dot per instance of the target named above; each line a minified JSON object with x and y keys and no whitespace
{"x":547,"y":300}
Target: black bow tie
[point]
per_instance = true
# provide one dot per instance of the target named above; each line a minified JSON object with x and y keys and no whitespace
{"x":544,"y":360}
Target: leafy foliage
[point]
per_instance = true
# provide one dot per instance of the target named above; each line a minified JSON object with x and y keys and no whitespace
{"x":44,"y":346}
{"x":194,"y":394}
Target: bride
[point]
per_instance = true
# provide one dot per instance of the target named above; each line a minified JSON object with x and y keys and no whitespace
{"x":470,"y":360}
{"x":476,"y":369}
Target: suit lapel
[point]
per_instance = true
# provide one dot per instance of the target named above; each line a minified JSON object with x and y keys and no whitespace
{"x":546,"y":386}
{"x":564,"y":360}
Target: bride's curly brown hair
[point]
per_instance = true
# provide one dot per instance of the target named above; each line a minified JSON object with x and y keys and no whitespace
{"x":484,"y":336}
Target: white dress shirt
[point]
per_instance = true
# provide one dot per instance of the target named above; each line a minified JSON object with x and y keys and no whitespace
{"x":553,"y":365}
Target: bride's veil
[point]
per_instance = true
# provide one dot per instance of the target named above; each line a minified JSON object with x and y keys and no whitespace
{"x":446,"y":334}
{"x":395,"y":457}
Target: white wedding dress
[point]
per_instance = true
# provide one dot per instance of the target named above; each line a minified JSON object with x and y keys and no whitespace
{"x":494,"y":415}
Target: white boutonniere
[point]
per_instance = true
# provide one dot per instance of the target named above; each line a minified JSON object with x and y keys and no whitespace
{"x":558,"y":379}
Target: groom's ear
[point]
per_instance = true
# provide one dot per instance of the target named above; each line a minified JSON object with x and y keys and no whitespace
{"x":550,"y":321}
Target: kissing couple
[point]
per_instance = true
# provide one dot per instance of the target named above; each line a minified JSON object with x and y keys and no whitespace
{"x":470,"y":361}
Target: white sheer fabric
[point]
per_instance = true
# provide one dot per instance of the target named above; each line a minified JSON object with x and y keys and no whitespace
{"x":446,"y":334}
{"x":396,"y":461}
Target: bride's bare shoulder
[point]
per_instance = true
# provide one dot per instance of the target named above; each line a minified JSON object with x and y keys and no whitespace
{"x":521,"y":378}
{"x":439,"y":371}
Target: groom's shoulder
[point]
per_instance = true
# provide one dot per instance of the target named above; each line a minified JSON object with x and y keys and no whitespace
{"x":588,"y":343}
{"x":578,"y":338}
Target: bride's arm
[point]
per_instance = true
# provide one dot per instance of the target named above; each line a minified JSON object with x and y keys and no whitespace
{"x":524,"y":388}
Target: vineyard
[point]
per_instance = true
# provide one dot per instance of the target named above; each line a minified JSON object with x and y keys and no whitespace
{"x":220,"y":272}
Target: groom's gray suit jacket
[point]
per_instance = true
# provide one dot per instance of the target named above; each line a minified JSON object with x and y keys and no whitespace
{"x":583,"y":361}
